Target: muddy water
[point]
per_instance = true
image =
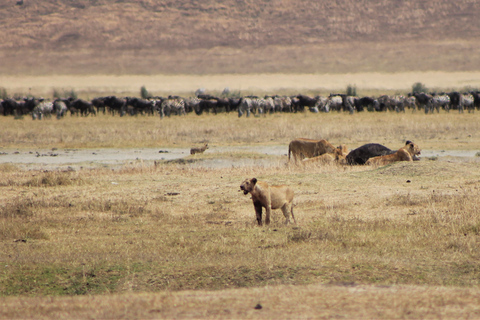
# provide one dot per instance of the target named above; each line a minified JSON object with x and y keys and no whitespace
{"x":116,"y":158}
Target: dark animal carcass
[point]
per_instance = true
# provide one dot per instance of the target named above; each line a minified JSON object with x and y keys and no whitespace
{"x":365,"y":152}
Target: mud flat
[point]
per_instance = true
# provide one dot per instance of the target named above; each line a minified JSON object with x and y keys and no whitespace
{"x":116,"y":158}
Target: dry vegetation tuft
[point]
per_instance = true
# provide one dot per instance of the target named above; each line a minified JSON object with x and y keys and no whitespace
{"x":402,"y":230}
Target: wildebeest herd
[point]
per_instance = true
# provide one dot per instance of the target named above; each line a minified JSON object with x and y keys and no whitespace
{"x":39,"y":108}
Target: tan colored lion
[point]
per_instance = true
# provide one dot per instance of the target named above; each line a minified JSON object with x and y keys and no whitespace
{"x":308,"y":148}
{"x":329,"y":158}
{"x":199,"y":150}
{"x":269,"y":197}
{"x":408,"y":153}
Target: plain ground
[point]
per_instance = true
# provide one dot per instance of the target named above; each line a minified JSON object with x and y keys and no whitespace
{"x":167,"y":239}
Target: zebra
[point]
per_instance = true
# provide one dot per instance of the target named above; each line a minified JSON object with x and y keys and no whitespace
{"x":410,"y":103}
{"x":59,"y":108}
{"x":245,"y":106}
{"x":468,"y":102}
{"x":438,"y":101}
{"x":43,"y":108}
{"x":269,"y":104}
{"x":334,"y":102}
{"x":172,"y":104}
{"x":192,"y":104}
{"x":321,"y":104}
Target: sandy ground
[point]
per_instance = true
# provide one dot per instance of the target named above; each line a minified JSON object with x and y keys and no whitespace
{"x":74,"y":159}
{"x":402,"y":82}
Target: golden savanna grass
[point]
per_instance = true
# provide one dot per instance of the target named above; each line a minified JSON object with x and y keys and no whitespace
{"x":175,"y":241}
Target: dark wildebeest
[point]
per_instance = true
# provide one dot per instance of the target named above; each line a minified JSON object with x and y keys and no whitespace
{"x":140,"y":106}
{"x":366,"y":103}
{"x":99,"y":104}
{"x":115,"y":104}
{"x":80,"y":106}
{"x":9,"y":106}
{"x":423,"y":100}
{"x":365,"y":152}
{"x":304,"y":101}
{"x":476,"y":99}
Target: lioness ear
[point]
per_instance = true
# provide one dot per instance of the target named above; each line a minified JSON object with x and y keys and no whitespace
{"x":254,"y":181}
{"x":408,"y":142}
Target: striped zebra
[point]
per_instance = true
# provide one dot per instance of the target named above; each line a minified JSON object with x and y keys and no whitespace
{"x":258,"y":105}
{"x":172,"y":104}
{"x":468,"y":102}
{"x":192,"y":104}
{"x":43,"y":108}
{"x":59,"y":108}
{"x":245,"y":106}
{"x":334,"y":102}
{"x":438,"y":101}
{"x":410,"y":103}
{"x":269,"y":105}
{"x":282,"y":104}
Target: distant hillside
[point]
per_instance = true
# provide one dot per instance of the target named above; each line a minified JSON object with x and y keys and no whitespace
{"x":239,"y":36}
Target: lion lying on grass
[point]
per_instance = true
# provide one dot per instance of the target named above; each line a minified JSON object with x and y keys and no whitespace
{"x":329,"y":158}
{"x":269,"y":197}
{"x":307,"y":148}
{"x":408,"y":153}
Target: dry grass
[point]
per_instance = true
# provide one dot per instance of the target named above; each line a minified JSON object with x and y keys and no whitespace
{"x":438,"y":131}
{"x":406,"y":232}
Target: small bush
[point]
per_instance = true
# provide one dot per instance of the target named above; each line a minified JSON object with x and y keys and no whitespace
{"x":3,"y":93}
{"x":419,"y":87}
{"x":144,"y":93}
{"x":351,"y":90}
{"x":57,"y":94}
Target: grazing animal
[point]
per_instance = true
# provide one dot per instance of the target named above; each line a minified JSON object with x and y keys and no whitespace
{"x":407,"y":153}
{"x":172,"y":104}
{"x":365,"y":152}
{"x":269,"y":197}
{"x":307,"y":148}
{"x":199,"y":150}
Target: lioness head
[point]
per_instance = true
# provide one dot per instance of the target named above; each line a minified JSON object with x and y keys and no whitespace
{"x":248,"y":185}
{"x":413,"y":149}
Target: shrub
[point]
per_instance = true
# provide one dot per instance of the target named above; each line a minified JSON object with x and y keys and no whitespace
{"x":351,"y":90}
{"x":144,"y":93}
{"x":418,"y":87}
{"x":3,"y":93}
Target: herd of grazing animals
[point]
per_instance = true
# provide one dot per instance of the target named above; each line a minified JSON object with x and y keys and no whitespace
{"x":306,"y":150}
{"x":39,"y":108}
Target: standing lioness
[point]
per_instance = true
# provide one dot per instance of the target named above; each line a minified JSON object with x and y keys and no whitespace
{"x":269,"y":197}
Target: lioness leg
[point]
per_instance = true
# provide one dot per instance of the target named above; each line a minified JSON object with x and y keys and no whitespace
{"x":291,"y":211}
{"x":258,"y":211}
{"x":267,"y":214}
{"x":287,"y":214}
